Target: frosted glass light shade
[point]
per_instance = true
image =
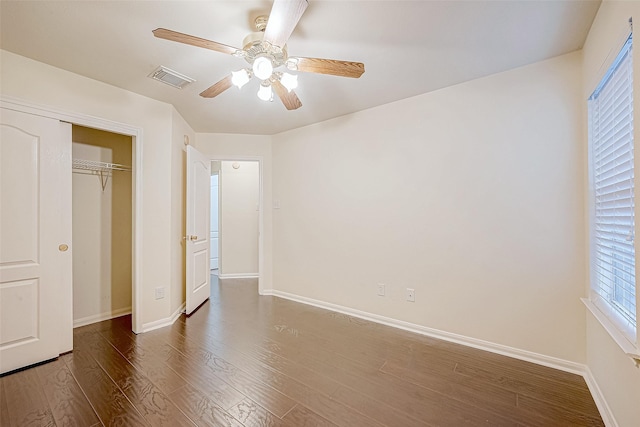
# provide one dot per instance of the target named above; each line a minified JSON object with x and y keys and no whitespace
{"x":240,"y":78}
{"x":265,"y":93}
{"x":290,"y":81}
{"x":262,"y":68}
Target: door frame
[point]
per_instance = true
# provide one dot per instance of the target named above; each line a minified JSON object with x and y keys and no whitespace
{"x":136,"y":134}
{"x":218,"y":215}
{"x":240,"y":158}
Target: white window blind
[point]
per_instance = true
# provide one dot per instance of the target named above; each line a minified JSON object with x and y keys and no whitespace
{"x":613,"y":226}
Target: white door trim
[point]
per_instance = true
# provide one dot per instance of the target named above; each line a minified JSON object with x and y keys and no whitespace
{"x":260,"y":161}
{"x":136,"y":133}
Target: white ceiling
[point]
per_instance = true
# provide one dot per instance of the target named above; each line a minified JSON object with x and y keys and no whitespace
{"x":408,"y":48}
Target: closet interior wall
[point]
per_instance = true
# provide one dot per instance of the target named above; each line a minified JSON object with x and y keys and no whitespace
{"x":102,"y":228}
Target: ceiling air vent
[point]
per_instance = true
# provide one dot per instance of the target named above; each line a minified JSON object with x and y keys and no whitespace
{"x":170,"y":77}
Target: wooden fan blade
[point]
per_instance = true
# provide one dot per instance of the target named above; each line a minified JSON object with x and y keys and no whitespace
{"x":217,"y":88}
{"x":283,"y":18}
{"x":327,"y":66}
{"x":289,"y":99}
{"x":175,"y":36}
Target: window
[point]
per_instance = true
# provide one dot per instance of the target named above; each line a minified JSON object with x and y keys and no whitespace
{"x":611,"y":146}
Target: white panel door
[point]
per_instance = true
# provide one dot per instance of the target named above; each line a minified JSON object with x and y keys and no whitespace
{"x":198,"y":222}
{"x":33,"y":247}
{"x":214,"y":223}
{"x":214,"y":251}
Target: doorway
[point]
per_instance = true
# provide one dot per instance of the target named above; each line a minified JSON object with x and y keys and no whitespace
{"x":239,"y":216}
{"x":214,"y":252}
{"x":101,"y":224}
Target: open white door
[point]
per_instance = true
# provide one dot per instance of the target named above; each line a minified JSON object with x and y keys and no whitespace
{"x":198,"y":223}
{"x":34,"y":246}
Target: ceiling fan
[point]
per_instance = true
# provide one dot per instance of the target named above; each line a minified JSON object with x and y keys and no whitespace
{"x":266,"y":50}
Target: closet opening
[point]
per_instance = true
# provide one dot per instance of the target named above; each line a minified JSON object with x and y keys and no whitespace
{"x":102,"y":221}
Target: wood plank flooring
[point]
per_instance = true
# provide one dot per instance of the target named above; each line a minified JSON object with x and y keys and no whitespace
{"x":246,"y":360}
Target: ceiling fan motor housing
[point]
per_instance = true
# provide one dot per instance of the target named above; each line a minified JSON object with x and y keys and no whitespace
{"x":254,"y":47}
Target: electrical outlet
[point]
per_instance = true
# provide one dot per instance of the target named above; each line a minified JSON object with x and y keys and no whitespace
{"x":411,"y":295}
{"x":160,"y":292}
{"x":381,"y":289}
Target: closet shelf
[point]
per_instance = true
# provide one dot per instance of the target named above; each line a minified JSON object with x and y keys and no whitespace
{"x":92,"y":165}
{"x":102,"y":169}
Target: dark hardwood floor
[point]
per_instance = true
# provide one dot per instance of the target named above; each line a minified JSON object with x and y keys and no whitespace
{"x":246,"y":360}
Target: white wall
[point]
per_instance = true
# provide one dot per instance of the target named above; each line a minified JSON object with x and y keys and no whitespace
{"x":38,"y":83}
{"x":236,"y":146}
{"x":614,"y":372}
{"x":91,"y":239}
{"x":239,"y":203}
{"x":102,"y":222}
{"x":471,"y":195}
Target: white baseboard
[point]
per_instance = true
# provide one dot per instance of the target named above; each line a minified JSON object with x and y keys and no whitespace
{"x":605,"y":411}
{"x":528,"y":356}
{"x":239,"y":276}
{"x":83,"y":321}
{"x":167,"y":321}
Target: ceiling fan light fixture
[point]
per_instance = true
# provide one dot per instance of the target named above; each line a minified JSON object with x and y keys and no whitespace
{"x":265,"y":93}
{"x":240,"y":78}
{"x":290,"y":81}
{"x":262,"y":67}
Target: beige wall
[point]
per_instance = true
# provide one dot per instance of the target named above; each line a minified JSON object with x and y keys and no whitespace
{"x":102,"y":222}
{"x":239,"y":201}
{"x":233,"y":147}
{"x":614,"y":372}
{"x":41,"y":84}
{"x":471,"y":195}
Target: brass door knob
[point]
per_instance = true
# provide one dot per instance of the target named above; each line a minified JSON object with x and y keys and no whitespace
{"x":63,"y":247}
